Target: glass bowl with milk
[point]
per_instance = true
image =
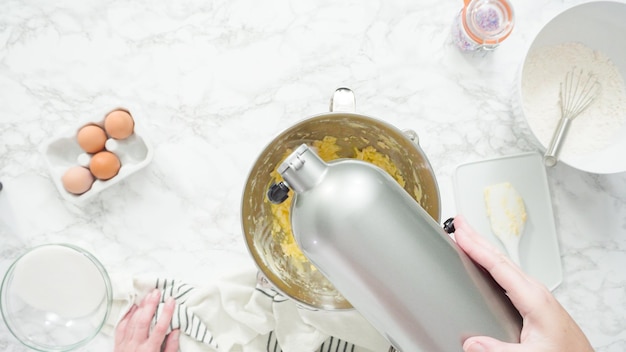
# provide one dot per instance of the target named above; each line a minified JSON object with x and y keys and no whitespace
{"x":55,"y":297}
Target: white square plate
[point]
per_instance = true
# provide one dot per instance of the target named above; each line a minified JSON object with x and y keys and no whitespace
{"x":539,"y":249}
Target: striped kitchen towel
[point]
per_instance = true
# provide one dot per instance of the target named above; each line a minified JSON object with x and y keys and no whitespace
{"x":183,"y":319}
{"x":332,"y":344}
{"x":234,"y":315}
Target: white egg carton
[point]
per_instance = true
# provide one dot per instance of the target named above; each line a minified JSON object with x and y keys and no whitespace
{"x":63,"y":152}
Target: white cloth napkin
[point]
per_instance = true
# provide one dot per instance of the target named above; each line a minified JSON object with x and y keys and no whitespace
{"x":233,"y":314}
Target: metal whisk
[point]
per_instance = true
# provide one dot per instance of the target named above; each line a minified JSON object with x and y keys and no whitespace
{"x":577,"y":91}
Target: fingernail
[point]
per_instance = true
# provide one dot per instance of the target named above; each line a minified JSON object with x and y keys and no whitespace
{"x":475,"y":347}
{"x":155,"y":293}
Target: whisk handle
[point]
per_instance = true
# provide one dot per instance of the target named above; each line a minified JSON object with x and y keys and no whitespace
{"x":551,"y":156}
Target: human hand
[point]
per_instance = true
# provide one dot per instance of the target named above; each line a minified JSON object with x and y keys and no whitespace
{"x":547,"y":327}
{"x":133,"y":331}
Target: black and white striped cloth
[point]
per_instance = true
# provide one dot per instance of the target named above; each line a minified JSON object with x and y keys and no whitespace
{"x":333,"y":344}
{"x":192,"y":326}
{"x":234,"y":314}
{"x":183,"y":318}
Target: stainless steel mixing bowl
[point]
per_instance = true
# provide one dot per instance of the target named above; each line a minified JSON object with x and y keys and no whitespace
{"x":303,"y":283}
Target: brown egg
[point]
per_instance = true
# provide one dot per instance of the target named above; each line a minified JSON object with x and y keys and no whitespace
{"x":91,"y":138}
{"x":77,"y":180}
{"x":104,"y":165}
{"x":119,"y":124}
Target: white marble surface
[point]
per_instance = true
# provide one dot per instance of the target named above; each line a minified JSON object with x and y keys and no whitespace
{"x":217,"y":80}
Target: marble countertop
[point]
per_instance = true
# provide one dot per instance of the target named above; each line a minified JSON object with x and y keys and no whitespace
{"x":215,"y":81}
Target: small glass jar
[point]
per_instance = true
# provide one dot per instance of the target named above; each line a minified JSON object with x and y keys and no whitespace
{"x":482,"y":24}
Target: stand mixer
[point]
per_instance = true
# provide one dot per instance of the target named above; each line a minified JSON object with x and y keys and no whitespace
{"x":388,"y":257}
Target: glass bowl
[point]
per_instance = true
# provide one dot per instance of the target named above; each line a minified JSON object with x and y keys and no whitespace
{"x":55,"y":297}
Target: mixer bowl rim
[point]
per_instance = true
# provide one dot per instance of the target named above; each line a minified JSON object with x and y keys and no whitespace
{"x":273,"y":279}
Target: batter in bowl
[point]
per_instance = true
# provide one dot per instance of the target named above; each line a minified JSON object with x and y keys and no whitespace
{"x":328,"y":150}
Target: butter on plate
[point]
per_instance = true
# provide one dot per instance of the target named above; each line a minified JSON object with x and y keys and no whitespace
{"x":507,"y":215}
{"x":539,"y":248}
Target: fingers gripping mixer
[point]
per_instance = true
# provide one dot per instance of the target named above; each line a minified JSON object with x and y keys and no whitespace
{"x":389,"y":258}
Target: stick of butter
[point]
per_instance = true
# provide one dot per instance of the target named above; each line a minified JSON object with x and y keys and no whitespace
{"x":507,"y":214}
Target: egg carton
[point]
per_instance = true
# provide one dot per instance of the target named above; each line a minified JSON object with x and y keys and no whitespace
{"x":62,"y":152}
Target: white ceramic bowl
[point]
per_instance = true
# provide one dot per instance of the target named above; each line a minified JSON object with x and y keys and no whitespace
{"x":62,"y":152}
{"x":55,"y":297}
{"x":598,"y":25}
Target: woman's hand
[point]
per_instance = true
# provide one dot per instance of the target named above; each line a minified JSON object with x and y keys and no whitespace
{"x":133,"y":331}
{"x":547,"y":327}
